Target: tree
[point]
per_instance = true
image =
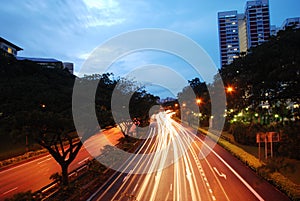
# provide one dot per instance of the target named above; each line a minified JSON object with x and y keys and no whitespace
{"x":131,"y":105}
{"x":53,"y":132}
{"x":267,"y":76}
{"x":195,"y":97}
{"x":56,"y":142}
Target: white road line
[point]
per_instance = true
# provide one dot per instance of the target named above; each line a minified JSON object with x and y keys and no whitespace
{"x":220,"y":174}
{"x":44,"y":161}
{"x":135,"y":187}
{"x":234,"y":172}
{"x":10,"y":190}
{"x":171,"y":187}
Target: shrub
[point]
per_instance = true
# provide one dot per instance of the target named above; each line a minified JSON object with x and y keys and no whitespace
{"x":28,"y":196}
{"x":290,"y":141}
{"x":238,"y":131}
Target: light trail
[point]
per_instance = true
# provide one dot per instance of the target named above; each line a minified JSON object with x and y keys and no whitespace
{"x":173,"y":166}
{"x":170,"y":147}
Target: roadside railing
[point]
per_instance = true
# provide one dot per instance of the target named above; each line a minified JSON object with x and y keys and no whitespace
{"x":52,"y":188}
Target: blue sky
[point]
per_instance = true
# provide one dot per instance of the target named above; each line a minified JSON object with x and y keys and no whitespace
{"x":71,"y":30}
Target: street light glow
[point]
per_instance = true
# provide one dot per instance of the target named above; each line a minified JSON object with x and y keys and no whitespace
{"x":198,"y":101}
{"x":229,"y":89}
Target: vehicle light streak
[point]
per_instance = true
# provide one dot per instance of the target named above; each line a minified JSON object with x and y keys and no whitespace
{"x":171,"y":144}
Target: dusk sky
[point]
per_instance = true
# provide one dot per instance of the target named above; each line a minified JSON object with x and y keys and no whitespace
{"x":71,"y":30}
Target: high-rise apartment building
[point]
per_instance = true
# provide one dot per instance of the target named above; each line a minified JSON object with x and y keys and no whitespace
{"x":239,"y":32}
{"x":242,"y":32}
{"x":257,"y":22}
{"x":229,"y":36}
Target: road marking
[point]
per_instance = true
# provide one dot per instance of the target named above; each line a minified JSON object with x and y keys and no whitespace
{"x":44,"y":161}
{"x":126,"y":177}
{"x":135,"y":187}
{"x":171,"y":187}
{"x":10,"y":190}
{"x":220,"y":174}
{"x":84,"y":160}
{"x":234,"y":172}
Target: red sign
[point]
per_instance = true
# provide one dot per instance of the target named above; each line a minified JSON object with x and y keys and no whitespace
{"x":267,"y":137}
{"x":260,"y":137}
{"x":273,"y":137}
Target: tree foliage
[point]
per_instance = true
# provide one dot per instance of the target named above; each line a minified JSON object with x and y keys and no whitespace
{"x":268,"y":74}
{"x":36,"y":103}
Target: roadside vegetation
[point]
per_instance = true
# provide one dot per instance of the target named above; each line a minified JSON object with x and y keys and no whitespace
{"x":36,"y":110}
{"x":271,"y":170}
{"x":85,"y":184}
{"x":262,"y":91}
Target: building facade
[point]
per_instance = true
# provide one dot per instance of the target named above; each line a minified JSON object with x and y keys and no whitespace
{"x":257,"y":22}
{"x":9,"y":48}
{"x":228,"y":36}
{"x":291,"y":22}
{"x":69,"y":66}
{"x":240,"y":32}
{"x":44,"y":62}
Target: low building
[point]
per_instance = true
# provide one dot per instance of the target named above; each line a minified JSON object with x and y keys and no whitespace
{"x":9,"y":48}
{"x":291,"y":22}
{"x":274,"y":30}
{"x":69,"y":66}
{"x":44,"y":62}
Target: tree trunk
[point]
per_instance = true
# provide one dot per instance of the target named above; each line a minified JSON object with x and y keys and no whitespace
{"x":64,"y":174}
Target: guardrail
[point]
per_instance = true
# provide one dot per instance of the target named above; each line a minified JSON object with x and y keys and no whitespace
{"x":52,"y":188}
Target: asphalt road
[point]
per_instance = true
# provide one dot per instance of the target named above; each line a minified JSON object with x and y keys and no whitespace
{"x":184,"y":168}
{"x":172,"y":164}
{"x":34,"y":175}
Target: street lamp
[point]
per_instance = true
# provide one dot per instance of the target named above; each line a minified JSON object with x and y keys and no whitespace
{"x":229,"y":89}
{"x":198,"y":101}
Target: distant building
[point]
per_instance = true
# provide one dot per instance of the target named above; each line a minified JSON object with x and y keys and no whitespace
{"x":45,"y":62}
{"x":257,"y":22}
{"x":274,"y":30}
{"x":228,"y":36}
{"x":291,"y":22}
{"x":8,"y":47}
{"x":240,"y":32}
{"x":69,"y":66}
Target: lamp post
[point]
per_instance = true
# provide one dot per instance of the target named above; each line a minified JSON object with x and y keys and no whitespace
{"x":198,"y":102}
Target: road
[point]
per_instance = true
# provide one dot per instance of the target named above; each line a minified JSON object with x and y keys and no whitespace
{"x":34,"y":175}
{"x":178,"y":165}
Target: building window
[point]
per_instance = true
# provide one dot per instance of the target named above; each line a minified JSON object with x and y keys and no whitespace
{"x":9,"y":50}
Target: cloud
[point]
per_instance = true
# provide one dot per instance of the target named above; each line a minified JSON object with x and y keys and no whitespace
{"x":101,"y":4}
{"x":102,"y":13}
